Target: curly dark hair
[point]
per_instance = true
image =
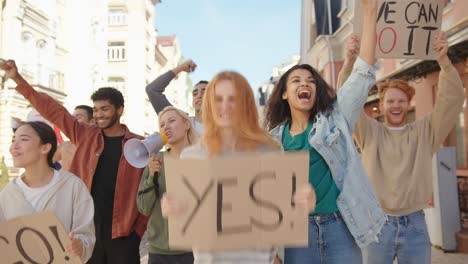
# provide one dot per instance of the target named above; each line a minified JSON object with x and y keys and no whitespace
{"x":113,"y":95}
{"x":278,"y":110}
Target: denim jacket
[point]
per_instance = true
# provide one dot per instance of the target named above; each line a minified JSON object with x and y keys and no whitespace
{"x":331,"y":136}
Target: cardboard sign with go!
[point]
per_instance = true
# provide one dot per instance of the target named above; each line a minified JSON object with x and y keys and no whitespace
{"x":36,"y":238}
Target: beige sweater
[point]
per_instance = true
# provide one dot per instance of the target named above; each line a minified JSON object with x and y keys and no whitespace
{"x":399,"y":162}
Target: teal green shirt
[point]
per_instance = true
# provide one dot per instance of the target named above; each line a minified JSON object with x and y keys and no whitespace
{"x":319,"y":173}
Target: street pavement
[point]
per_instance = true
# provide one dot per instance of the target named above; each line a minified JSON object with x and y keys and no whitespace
{"x":438,"y":257}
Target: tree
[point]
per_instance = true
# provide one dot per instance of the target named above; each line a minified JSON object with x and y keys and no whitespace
{"x":4,"y":177}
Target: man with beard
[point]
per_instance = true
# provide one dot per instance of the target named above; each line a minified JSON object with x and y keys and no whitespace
{"x":397,"y":156}
{"x":159,"y":101}
{"x":98,"y":161}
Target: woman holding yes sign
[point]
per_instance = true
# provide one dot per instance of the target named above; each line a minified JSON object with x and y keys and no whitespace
{"x":232,"y":129}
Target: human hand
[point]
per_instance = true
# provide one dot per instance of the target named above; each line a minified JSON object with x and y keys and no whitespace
{"x":154,"y":164}
{"x":75,"y":248}
{"x":171,"y":207}
{"x":188,"y":66}
{"x":305,"y":198}
{"x":11,"y":71}
{"x":352,"y":46}
{"x":440,"y":46}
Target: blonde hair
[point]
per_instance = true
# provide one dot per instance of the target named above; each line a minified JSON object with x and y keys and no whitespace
{"x":192,"y":135}
{"x":401,"y":85}
{"x":245,"y":121}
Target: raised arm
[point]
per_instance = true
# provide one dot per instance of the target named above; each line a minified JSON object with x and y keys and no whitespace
{"x":50,"y":109}
{"x":351,"y":51}
{"x":450,"y":95}
{"x":364,"y":122}
{"x":369,"y":37}
{"x":155,"y":90}
{"x":353,"y":95}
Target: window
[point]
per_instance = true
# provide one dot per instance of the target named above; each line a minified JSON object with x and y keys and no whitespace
{"x":28,"y":56}
{"x":116,"y":51}
{"x":322,"y":12}
{"x":42,"y":74}
{"x":117,"y":17}
{"x":57,"y":81}
{"x":119,"y":84}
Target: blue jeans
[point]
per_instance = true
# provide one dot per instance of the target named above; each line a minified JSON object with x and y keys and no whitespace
{"x":404,"y":238}
{"x":329,"y":242}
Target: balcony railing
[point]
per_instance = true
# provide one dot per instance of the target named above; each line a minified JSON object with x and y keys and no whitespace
{"x":117,"y":19}
{"x":116,"y":53}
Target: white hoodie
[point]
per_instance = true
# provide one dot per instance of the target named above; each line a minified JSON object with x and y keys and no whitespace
{"x":68,"y":198}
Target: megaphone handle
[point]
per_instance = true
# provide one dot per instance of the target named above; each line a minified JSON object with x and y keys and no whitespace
{"x":156,"y":183}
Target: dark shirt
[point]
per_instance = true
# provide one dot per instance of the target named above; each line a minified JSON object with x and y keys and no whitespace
{"x":105,"y":178}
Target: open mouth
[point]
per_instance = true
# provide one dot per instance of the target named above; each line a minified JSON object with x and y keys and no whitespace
{"x":304,"y":94}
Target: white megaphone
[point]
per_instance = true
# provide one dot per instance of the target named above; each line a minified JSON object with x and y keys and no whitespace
{"x":138,"y":152}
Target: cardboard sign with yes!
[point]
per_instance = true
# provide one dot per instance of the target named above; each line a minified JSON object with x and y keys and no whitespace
{"x":238,"y":202}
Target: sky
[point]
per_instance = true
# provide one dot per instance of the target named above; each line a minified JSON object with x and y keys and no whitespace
{"x":249,"y":36}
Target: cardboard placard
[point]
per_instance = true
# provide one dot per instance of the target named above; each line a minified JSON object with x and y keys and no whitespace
{"x":405,"y":28}
{"x":238,"y":202}
{"x":36,"y":238}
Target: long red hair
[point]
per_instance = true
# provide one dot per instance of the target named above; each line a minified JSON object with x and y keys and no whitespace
{"x":246,"y":125}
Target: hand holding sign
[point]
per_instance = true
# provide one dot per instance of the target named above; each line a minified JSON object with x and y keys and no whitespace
{"x":171,"y":207}
{"x":75,"y":247}
{"x":441,"y":47}
{"x":369,"y":4}
{"x":305,"y":198}
{"x":351,"y":49}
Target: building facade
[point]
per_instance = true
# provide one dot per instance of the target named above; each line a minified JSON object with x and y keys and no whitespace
{"x":69,"y":49}
{"x":179,"y":90}
{"x":33,"y":35}
{"x":265,"y":90}
{"x":131,"y":63}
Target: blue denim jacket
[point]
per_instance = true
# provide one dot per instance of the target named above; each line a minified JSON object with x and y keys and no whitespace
{"x":331,"y":136}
